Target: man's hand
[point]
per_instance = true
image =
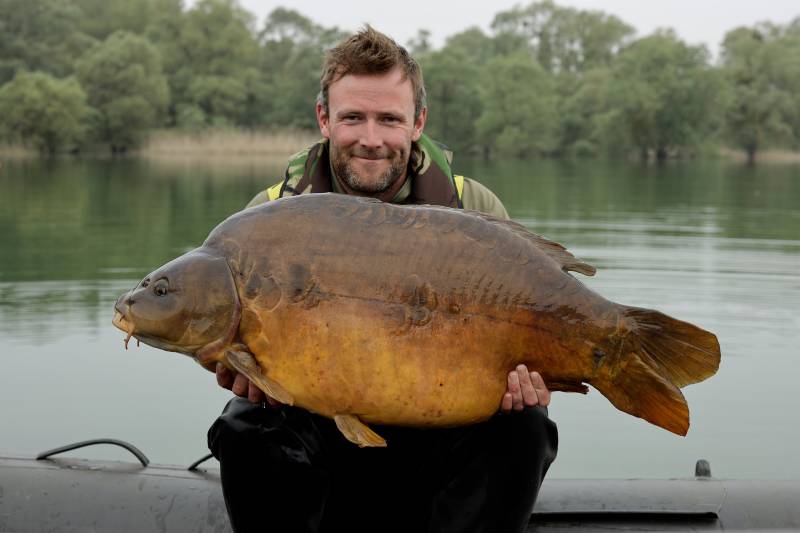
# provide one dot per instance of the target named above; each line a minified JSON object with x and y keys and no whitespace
{"x":241,"y":386}
{"x":524,"y":389}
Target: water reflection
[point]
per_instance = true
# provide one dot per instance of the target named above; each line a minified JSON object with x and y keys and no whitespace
{"x":711,"y":243}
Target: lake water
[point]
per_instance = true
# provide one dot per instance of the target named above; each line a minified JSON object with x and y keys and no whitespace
{"x":714,"y":243}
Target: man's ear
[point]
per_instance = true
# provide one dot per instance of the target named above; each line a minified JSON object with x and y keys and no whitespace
{"x":419,"y":124}
{"x":323,"y":121}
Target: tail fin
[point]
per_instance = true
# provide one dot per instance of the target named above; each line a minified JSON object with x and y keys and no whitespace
{"x":658,"y":355}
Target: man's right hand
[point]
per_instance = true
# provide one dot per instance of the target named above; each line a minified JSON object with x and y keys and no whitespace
{"x":525,"y":389}
{"x":241,"y":386}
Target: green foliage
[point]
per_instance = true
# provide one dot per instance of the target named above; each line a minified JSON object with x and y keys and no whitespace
{"x":452,"y":82}
{"x":210,"y":54}
{"x":123,"y":79}
{"x":581,"y":103}
{"x":481,"y":48}
{"x":420,"y":43}
{"x":519,"y":117}
{"x":101,"y":18}
{"x":292,"y":47}
{"x":565,"y":40}
{"x":791,"y":58}
{"x":39,"y":35}
{"x":44,"y":112}
{"x":762,"y":68}
{"x":663,"y":96}
{"x":547,"y":80}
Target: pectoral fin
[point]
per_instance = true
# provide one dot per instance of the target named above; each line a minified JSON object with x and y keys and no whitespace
{"x":246,"y":364}
{"x":358,"y":432}
{"x":567,"y":386}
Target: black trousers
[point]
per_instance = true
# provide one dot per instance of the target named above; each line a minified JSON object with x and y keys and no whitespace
{"x":289,"y":470}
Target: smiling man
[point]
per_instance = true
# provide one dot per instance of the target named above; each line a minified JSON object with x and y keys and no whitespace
{"x":371,"y":128}
{"x":285,"y":469}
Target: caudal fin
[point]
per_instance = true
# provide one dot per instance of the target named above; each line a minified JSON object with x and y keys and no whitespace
{"x":657,"y":356}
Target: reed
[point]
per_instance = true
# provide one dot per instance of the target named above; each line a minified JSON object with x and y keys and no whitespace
{"x":770,"y":155}
{"x":222,"y":144}
{"x":16,"y":151}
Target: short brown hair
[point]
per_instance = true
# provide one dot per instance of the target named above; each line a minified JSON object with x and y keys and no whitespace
{"x":370,"y":52}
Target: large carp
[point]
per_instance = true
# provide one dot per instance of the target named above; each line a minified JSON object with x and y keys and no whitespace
{"x":365,"y":311}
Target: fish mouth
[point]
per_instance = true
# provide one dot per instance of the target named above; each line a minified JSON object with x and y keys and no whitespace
{"x":121,"y":322}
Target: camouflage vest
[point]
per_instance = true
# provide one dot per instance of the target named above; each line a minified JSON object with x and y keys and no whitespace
{"x":433,"y":182}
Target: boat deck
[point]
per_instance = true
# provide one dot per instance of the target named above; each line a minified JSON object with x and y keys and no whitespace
{"x":71,"y":495}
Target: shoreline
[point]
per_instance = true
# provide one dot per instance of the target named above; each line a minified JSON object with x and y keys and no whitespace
{"x":195,"y":147}
{"x":767,"y":156}
{"x":223,"y":146}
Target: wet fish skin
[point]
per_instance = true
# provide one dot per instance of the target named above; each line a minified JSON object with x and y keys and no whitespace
{"x":413,"y":315}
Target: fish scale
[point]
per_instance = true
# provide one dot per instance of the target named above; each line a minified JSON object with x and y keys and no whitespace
{"x":368,"y":312}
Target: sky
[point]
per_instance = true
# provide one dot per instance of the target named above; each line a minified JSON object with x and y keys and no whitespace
{"x":695,"y":21}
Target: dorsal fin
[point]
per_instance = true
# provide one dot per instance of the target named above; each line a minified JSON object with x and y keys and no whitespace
{"x":557,"y":252}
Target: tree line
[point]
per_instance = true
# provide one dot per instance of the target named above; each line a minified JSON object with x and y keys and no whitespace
{"x":547,"y":80}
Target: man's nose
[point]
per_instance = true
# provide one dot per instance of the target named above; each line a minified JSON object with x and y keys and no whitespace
{"x":370,"y":135}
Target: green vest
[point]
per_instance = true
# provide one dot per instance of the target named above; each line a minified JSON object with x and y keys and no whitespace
{"x":433,"y":182}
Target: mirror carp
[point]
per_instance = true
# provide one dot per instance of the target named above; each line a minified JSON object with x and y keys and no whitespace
{"x":369,"y":312}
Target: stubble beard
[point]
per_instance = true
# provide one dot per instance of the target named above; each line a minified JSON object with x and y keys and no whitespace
{"x":341,"y":163}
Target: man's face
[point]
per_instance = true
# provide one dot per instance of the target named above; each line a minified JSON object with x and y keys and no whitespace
{"x":370,"y":123}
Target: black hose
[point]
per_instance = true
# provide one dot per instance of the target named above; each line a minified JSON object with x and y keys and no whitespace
{"x":194,"y":465}
{"x":69,"y":447}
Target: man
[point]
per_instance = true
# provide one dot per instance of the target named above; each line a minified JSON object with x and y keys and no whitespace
{"x":284,"y":469}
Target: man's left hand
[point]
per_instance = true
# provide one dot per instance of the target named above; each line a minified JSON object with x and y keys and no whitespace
{"x":524,"y":389}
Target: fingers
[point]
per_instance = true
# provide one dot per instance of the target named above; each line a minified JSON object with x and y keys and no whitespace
{"x":241,"y":385}
{"x":224,"y":377}
{"x":524,"y":389}
{"x":506,"y":403}
{"x":515,"y":389}
{"x":247,"y":389}
{"x":275,"y":404}
{"x":542,"y":392}
{"x":236,"y":383}
{"x":256,"y":395}
{"x":529,"y":393}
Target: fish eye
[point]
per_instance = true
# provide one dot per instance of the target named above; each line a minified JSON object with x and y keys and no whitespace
{"x":145,"y":282}
{"x":161,"y":287}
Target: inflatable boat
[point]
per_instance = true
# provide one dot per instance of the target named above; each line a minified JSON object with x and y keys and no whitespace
{"x":57,"y":494}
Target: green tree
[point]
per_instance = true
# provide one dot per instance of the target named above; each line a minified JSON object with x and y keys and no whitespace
{"x":288,"y":25}
{"x":791,"y":44}
{"x":481,"y":48}
{"x":452,"y":82}
{"x":420,"y":43}
{"x":571,"y":45}
{"x":164,"y":30}
{"x":664,"y":96}
{"x":580,"y":134}
{"x":762,"y":68}
{"x":44,"y":112}
{"x":123,"y":79}
{"x":211,"y":55}
{"x":519,"y":117}
{"x":292,"y":47}
{"x":101,"y":18}
{"x":453,"y":79}
{"x":39,"y":35}
{"x":565,"y":40}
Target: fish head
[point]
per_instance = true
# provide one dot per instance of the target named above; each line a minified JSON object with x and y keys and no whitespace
{"x":183,"y":306}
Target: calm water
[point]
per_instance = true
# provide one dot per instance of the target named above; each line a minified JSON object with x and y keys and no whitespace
{"x":715,"y":244}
